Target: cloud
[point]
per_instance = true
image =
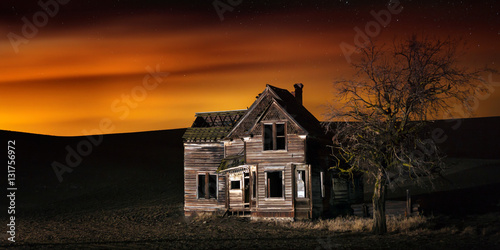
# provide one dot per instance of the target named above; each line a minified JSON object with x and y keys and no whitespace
{"x":90,"y":54}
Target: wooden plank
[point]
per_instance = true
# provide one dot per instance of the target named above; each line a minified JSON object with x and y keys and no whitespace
{"x":294,"y":152}
{"x":234,"y":147}
{"x":202,"y":158}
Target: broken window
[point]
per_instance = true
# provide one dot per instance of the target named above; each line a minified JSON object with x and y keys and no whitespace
{"x":268,"y":137}
{"x":274,"y":184}
{"x":246,"y":190}
{"x":235,"y":185}
{"x":212,"y":186}
{"x":254,"y":184}
{"x":207,"y":186}
{"x":301,"y":184}
{"x":280,"y":136}
{"x":274,"y":136}
{"x":201,"y":186}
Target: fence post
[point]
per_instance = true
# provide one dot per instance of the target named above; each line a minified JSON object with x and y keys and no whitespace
{"x":408,"y":204}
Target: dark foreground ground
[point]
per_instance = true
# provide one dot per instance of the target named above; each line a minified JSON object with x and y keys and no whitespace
{"x":148,"y":214}
{"x":127,"y":194}
{"x":157,"y":225}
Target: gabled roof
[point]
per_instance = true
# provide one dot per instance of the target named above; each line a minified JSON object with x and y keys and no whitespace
{"x":287,"y":102}
{"x":212,"y":126}
{"x":300,"y":114}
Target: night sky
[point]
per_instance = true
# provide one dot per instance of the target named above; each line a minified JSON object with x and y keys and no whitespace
{"x":84,"y":65}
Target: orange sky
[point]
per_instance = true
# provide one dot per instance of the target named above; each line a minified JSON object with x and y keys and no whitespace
{"x":74,"y":73}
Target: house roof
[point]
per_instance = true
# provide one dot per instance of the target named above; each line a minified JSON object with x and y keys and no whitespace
{"x":216,"y":126}
{"x":296,"y":110}
{"x":287,"y":102}
{"x":212,"y":126}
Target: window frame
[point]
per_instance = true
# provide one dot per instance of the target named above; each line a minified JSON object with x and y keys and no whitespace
{"x":268,"y":195}
{"x":306,"y":183}
{"x":231,"y":185}
{"x":253,"y":178}
{"x":206,"y":189}
{"x":274,"y":136}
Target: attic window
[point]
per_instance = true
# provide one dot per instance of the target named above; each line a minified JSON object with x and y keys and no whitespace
{"x":274,"y":136}
{"x":207,"y":186}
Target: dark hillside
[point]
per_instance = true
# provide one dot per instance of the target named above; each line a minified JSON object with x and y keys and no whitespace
{"x":470,"y":138}
{"x":128,"y":192}
{"x":472,"y":174}
{"x":123,"y":169}
{"x":471,"y":180}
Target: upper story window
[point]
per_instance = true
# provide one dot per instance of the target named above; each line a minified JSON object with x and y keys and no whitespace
{"x":274,"y":136}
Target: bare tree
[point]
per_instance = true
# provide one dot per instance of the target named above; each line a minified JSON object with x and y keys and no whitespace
{"x":379,"y":128}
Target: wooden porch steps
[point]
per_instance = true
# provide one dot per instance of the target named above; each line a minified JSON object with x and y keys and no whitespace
{"x":238,"y":212}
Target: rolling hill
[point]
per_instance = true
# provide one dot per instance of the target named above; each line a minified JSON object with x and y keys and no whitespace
{"x":147,"y":167}
{"x":121,"y":170}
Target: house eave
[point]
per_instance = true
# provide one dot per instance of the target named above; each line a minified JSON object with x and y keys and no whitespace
{"x":240,"y":168}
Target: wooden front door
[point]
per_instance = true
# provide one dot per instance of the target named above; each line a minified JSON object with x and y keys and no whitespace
{"x":302,"y":191}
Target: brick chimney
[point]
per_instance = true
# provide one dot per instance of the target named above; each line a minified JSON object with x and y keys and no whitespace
{"x":298,"y":92}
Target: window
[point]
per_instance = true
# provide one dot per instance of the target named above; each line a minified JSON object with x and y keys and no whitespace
{"x":207,"y":186}
{"x":301,"y":184}
{"x":246,"y":188}
{"x":268,"y":137}
{"x":274,"y":184}
{"x":235,"y":185}
{"x":254,"y":184}
{"x":274,"y":136}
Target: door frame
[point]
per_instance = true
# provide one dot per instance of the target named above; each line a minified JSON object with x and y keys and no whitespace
{"x":308,"y":185}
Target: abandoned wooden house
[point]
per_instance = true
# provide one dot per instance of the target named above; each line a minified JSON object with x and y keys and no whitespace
{"x":271,"y":160}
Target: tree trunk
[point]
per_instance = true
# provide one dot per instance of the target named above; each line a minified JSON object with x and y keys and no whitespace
{"x":379,"y":223}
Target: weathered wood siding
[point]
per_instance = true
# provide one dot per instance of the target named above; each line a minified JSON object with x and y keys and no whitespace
{"x":277,"y":107}
{"x":236,"y":199}
{"x":236,"y":195}
{"x":221,"y":196}
{"x":202,"y":158}
{"x":272,"y":160}
{"x":203,"y":154}
{"x":256,"y":155}
{"x":267,"y":205}
{"x":234,"y":147}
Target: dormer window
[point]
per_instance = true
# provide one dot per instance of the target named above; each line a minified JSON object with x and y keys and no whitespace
{"x":274,"y":136}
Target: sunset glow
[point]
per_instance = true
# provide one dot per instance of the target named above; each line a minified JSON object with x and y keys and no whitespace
{"x":79,"y":67}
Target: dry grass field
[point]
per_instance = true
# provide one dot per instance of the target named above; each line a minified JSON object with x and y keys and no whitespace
{"x":164,"y":226}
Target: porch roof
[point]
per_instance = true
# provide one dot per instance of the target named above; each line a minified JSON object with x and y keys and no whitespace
{"x":231,"y":161}
{"x":241,"y":168}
